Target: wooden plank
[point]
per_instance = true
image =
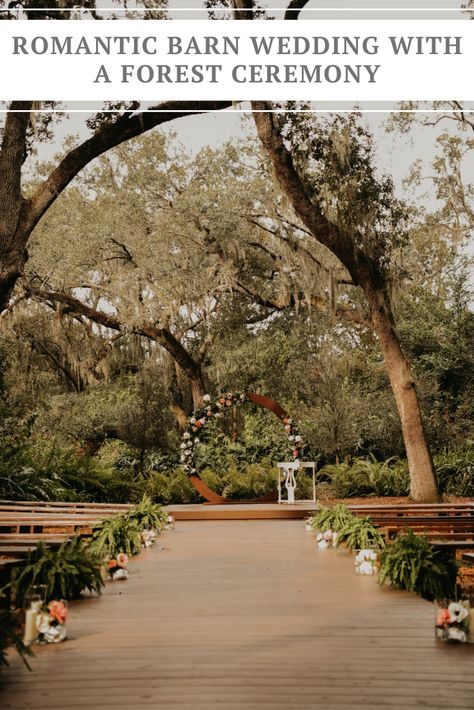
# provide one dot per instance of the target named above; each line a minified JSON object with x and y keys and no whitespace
{"x":245,"y":615}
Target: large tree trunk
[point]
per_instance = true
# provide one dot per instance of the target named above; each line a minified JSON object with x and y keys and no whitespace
{"x":423,"y":484}
{"x":367,"y":274}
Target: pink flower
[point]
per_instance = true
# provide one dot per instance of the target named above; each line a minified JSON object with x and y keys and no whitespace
{"x":58,"y":611}
{"x":122,"y":559}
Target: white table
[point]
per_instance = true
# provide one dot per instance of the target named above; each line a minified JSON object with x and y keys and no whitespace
{"x":290,"y":469}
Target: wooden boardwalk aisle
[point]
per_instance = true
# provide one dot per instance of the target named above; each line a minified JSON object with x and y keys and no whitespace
{"x":245,"y":614}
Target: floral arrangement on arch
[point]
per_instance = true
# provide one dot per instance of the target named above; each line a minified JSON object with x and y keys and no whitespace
{"x":217,"y":409}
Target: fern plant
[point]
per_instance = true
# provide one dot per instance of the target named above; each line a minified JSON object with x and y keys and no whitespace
{"x":331,"y":518}
{"x":148,"y":515}
{"x":65,"y":572}
{"x":116,"y":534}
{"x":10,"y":636}
{"x":359,"y":534}
{"x":412,"y":563}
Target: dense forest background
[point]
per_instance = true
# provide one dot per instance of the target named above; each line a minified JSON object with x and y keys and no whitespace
{"x":160,"y":274}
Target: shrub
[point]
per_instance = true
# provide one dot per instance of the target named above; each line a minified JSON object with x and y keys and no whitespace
{"x":331,"y":518}
{"x":116,"y":534}
{"x":455,"y":472}
{"x":10,"y":635}
{"x":148,"y":515}
{"x":65,"y":572}
{"x":171,"y":486}
{"x":254,"y":481}
{"x":363,"y":477}
{"x":412,"y":563}
{"x":359,"y":534}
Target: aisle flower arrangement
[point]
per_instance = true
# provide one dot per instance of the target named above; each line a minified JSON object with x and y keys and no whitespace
{"x":452,"y":621}
{"x":117,"y":567}
{"x":366,"y":561}
{"x":148,"y":537}
{"x":51,"y":623}
{"x":326,"y":539}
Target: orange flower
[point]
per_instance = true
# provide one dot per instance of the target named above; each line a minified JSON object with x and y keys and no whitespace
{"x":222,"y":400}
{"x":295,"y":453}
{"x":444,"y":618}
{"x":58,"y":611}
{"x":111,"y":564}
{"x":198,"y":423}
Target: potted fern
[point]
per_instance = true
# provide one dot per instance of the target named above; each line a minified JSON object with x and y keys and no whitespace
{"x":327,"y":521}
{"x":412,"y":563}
{"x":64,"y":572}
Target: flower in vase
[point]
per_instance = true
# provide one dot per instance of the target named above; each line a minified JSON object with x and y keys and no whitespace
{"x":366,"y":567}
{"x":319,"y":537}
{"x":55,"y":634}
{"x":120,"y":574}
{"x":111,"y":564}
{"x":148,"y":537}
{"x":322,"y":544}
{"x":456,"y":634}
{"x":327,"y":535}
{"x":186,"y":435}
{"x":206,"y":398}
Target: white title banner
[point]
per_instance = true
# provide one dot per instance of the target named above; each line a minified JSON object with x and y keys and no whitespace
{"x":320,"y":60}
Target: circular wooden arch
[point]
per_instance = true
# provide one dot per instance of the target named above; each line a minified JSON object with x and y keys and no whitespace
{"x":215,"y":498}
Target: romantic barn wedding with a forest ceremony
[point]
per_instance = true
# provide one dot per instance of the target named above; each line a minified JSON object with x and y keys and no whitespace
{"x":236,"y":355}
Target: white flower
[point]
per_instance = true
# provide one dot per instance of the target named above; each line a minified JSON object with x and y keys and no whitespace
{"x":182,"y":458}
{"x":183,"y":445}
{"x":206,"y":398}
{"x":196,"y":440}
{"x":308,"y":527}
{"x":327,"y":535}
{"x":458,"y":612}
{"x":322,"y":544}
{"x":55,"y":634}
{"x":186,"y":435}
{"x":291,"y":438}
{"x":120,"y":574}
{"x":193,"y":420}
{"x":297,"y":437}
{"x":319,"y":537}
{"x":366,"y":568}
{"x":456,"y":634}
{"x":170,"y":519}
